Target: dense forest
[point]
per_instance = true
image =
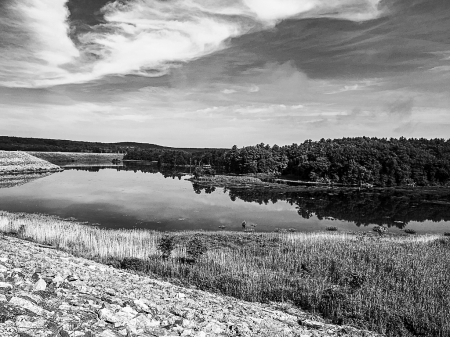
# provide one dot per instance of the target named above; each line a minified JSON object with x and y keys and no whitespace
{"x":350,"y":161}
{"x":213,"y":157}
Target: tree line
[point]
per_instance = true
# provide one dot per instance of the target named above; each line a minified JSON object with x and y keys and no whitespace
{"x":348,"y":161}
{"x":178,"y":157}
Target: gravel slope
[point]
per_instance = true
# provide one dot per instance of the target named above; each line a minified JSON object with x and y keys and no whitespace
{"x":45,"y":292}
{"x":12,"y":162}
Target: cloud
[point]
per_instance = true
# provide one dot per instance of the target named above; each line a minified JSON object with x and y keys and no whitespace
{"x":35,"y":42}
{"x":140,"y":37}
{"x":401,"y":107}
{"x":270,"y":11}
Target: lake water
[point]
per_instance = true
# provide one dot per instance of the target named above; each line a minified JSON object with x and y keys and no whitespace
{"x":141,"y":197}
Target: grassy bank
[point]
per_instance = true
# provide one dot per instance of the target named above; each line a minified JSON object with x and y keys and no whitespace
{"x":15,"y":162}
{"x":394,"y":285}
{"x":60,"y":158}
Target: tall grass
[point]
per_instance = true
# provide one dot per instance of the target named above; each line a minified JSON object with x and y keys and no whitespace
{"x":394,"y":285}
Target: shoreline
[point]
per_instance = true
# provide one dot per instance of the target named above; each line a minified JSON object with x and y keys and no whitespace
{"x":248,"y":182}
{"x":307,"y":268}
{"x":30,"y":171}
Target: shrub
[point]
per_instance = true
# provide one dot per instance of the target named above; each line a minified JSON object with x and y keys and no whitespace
{"x":166,"y":245}
{"x":447,"y":234}
{"x":332,"y":229}
{"x":209,"y":172}
{"x":356,"y":281}
{"x":410,"y":231}
{"x":132,"y":263}
{"x":21,"y":231}
{"x":196,"y":248}
{"x":198,"y":172}
{"x":380,"y":229}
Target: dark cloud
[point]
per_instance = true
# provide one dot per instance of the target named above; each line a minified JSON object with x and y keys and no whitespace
{"x":401,"y":107}
{"x":402,"y":41}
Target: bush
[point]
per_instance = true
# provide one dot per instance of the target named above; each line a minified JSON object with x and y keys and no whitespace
{"x":198,"y":172}
{"x":447,"y":234}
{"x":196,"y":248}
{"x":380,"y":229}
{"x":410,"y":231}
{"x":332,"y":229}
{"x":166,"y":245}
{"x":209,"y":172}
{"x":132,"y":263}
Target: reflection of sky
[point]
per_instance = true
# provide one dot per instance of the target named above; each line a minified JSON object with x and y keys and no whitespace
{"x":128,"y":199}
{"x":214,"y":73}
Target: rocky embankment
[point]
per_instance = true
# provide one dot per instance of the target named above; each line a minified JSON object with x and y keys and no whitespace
{"x":17,"y":162}
{"x":45,"y":292}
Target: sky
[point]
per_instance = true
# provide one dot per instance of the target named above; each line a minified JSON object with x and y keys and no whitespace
{"x":218,"y":73}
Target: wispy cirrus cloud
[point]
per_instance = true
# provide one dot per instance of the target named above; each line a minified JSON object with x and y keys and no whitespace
{"x":145,"y":38}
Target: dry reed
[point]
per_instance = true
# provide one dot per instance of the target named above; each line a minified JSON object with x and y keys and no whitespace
{"x":396,"y":285}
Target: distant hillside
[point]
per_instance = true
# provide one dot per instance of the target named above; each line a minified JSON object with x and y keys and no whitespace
{"x":61,"y":145}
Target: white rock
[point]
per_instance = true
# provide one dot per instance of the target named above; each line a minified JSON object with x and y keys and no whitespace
{"x":312,"y":324}
{"x":108,"y":316}
{"x":25,"y":323}
{"x":108,"y":333}
{"x":40,"y":285}
{"x":4,"y":285}
{"x":129,"y":310}
{"x":201,"y":334}
{"x":141,"y":305}
{"x":3,"y":259}
{"x":3,"y":269}
{"x":187,"y":332}
{"x":20,"y":302}
{"x":3,"y":298}
{"x":58,"y":279}
{"x":215,"y":328}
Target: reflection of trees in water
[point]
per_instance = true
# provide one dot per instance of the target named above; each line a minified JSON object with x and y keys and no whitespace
{"x":135,"y":167}
{"x":388,"y":207}
{"x":199,"y":188}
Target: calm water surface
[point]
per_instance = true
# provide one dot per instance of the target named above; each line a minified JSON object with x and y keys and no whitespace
{"x":121,"y":198}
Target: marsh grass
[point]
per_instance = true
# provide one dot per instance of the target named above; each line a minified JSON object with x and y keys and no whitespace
{"x":396,"y":285}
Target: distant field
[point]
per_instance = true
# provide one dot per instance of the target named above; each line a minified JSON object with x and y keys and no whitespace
{"x":12,"y":162}
{"x":79,"y":157}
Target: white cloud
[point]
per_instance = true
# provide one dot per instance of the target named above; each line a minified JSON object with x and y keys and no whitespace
{"x":270,"y":11}
{"x":144,"y":37}
{"x":228,"y":91}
